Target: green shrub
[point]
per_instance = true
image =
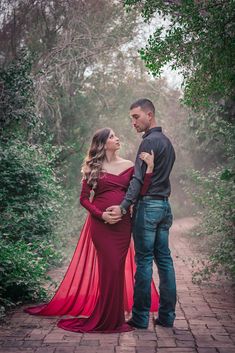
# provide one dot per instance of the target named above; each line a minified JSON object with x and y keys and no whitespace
{"x":214,"y":193}
{"x":17,"y":95}
{"x":21,"y":273}
{"x":32,"y":201}
{"x":31,"y":194}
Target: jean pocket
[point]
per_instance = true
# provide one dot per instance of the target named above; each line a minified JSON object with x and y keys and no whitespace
{"x":153,"y":215}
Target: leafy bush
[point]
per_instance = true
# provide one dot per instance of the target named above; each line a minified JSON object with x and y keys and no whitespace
{"x":17,"y":101}
{"x":21,"y":273}
{"x":32,"y":201}
{"x":32,"y":196}
{"x":214,"y":194}
{"x":31,"y":193}
{"x":211,"y":136}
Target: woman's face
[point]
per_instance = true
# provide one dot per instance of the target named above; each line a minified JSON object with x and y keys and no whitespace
{"x":112,"y":143}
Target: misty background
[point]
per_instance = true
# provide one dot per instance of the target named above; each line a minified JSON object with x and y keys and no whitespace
{"x":67,"y":69}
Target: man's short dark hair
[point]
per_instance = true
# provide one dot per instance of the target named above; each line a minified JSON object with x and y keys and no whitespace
{"x":144,"y":104}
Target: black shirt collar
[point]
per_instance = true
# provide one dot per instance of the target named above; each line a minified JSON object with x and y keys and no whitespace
{"x":158,"y":128}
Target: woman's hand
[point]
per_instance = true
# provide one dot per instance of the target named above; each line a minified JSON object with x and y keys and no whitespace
{"x":108,"y":217}
{"x":148,"y":159}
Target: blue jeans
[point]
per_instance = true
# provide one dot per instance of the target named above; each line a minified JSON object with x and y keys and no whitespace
{"x":153,"y":218}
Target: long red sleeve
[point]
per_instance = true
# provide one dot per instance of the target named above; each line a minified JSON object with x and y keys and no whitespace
{"x":147,"y":181}
{"x":85,"y":200}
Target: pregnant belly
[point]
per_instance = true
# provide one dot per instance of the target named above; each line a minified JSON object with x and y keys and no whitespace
{"x":107,"y":199}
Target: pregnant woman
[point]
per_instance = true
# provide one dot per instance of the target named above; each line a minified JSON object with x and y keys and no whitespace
{"x":98,"y":286}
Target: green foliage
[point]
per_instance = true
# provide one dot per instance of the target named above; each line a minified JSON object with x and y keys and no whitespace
{"x":21,"y":273}
{"x":31,"y":196}
{"x":215,"y":194}
{"x":17,"y":106}
{"x":211,"y":138}
{"x":32,"y":201}
{"x":198,"y":40}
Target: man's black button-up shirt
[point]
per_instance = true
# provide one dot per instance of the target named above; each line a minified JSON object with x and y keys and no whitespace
{"x":164,"y":157}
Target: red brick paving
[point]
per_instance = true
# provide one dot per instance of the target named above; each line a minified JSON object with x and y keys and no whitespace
{"x":205,"y":320}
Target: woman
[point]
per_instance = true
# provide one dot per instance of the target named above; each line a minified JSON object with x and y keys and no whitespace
{"x":94,"y":286}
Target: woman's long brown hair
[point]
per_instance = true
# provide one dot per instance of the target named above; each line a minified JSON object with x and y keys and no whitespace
{"x":92,"y":164}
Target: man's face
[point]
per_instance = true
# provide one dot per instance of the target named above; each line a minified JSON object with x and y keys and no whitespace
{"x":140,"y":119}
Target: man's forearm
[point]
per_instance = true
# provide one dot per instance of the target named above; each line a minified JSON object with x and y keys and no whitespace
{"x":137,"y":179}
{"x":132,"y":193}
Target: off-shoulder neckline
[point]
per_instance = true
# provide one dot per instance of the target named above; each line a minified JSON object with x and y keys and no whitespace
{"x":120,"y":172}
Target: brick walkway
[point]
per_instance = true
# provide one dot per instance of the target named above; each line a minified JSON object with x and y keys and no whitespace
{"x":205,"y":320}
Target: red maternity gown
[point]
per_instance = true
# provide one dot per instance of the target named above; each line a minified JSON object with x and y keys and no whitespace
{"x":98,"y":286}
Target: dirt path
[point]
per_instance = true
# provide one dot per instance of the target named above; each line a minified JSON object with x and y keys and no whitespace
{"x":205,"y":319}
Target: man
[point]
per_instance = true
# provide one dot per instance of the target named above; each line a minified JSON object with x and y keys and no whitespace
{"x":153,"y":218}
